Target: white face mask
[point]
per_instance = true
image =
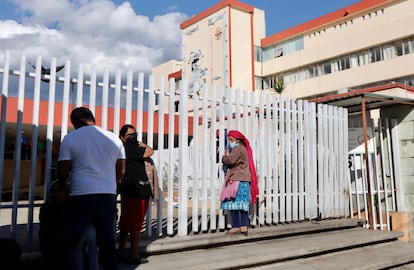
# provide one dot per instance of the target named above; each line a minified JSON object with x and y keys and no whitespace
{"x":233,"y":144}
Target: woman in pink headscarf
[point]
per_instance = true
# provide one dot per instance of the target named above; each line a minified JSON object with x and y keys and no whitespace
{"x":240,"y":167}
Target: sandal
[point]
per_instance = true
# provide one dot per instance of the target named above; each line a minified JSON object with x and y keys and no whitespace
{"x":233,"y":231}
{"x":244,"y":230}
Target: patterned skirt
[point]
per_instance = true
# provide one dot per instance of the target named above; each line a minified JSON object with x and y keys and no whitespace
{"x":242,"y":200}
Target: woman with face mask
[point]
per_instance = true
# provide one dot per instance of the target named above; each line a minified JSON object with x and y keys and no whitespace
{"x":135,"y":193}
{"x":240,"y":167}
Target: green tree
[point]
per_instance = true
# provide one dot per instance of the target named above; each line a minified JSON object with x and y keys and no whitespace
{"x":278,"y":87}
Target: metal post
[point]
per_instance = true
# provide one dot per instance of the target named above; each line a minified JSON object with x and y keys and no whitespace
{"x":364,"y":124}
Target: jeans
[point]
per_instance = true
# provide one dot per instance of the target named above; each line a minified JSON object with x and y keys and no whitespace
{"x":87,"y":249}
{"x":84,"y":215}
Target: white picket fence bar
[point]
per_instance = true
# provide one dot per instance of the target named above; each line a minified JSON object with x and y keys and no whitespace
{"x":300,"y":148}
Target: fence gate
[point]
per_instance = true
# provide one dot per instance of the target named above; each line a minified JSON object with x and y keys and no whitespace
{"x":377,"y":198}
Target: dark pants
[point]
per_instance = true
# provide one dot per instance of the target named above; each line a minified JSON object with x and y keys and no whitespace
{"x":83,"y":213}
{"x":10,"y":252}
{"x":239,"y":218}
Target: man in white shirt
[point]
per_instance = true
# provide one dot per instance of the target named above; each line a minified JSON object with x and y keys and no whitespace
{"x":95,"y":160}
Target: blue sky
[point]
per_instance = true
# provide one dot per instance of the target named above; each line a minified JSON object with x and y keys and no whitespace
{"x":135,"y":35}
{"x":280,"y":14}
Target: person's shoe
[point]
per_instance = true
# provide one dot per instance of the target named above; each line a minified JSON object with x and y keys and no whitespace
{"x":137,"y":261}
{"x":123,"y":259}
{"x":233,"y":231}
{"x":244,"y":230}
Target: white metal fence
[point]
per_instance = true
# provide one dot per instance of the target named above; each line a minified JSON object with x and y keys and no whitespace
{"x":300,"y":148}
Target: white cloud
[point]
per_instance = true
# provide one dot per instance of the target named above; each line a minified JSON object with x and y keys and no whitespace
{"x":31,"y":40}
{"x":95,"y":32}
{"x":44,"y":11}
{"x":10,"y":29}
{"x":172,"y":8}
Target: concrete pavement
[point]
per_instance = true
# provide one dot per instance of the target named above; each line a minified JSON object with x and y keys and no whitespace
{"x":328,"y":244}
{"x":339,"y":244}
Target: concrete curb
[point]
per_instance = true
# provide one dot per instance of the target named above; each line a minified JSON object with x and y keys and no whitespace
{"x":204,"y":240}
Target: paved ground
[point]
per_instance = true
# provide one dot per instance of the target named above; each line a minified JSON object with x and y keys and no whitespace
{"x":307,"y":245}
{"x":324,"y":245}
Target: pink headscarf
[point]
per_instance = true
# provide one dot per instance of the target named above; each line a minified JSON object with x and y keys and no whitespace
{"x":254,"y":189}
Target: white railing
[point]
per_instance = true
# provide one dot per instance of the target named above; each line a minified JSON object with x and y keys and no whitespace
{"x":300,"y":148}
{"x":378,"y":196}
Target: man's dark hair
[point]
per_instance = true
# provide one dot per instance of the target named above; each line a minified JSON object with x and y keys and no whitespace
{"x":81,"y":116}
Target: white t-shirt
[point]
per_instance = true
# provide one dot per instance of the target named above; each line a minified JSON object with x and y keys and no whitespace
{"x":93,"y":152}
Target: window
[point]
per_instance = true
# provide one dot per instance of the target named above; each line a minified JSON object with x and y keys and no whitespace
{"x":335,"y":66}
{"x":399,"y":49}
{"x":301,"y":75}
{"x":257,"y":54}
{"x":288,"y":78}
{"x":326,"y":69}
{"x":345,"y":63}
{"x":411,"y":46}
{"x":278,"y":52}
{"x":281,"y":49}
{"x":406,"y":47}
{"x":388,"y":52}
{"x":376,"y":55}
{"x":353,"y":61}
{"x":366,"y":57}
{"x":259,"y":83}
{"x":317,"y":71}
{"x":309,"y":72}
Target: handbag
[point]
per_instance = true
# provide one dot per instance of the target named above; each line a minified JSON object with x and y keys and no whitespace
{"x":229,"y":190}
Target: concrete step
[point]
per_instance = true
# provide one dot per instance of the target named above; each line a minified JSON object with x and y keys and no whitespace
{"x":409,"y":266}
{"x":280,"y":245}
{"x":213,"y":239}
{"x":393,"y":255}
{"x":269,"y":251}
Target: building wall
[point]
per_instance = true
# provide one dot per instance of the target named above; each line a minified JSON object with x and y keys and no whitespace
{"x":241,"y":46}
{"x":352,"y":34}
{"x":164,"y":70}
{"x":226,"y":39}
{"x":259,"y":30}
{"x":202,"y":37}
{"x":374,"y":72}
{"x":227,"y":46}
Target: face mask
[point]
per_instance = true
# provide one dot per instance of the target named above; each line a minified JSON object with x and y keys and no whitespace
{"x":132,"y":138}
{"x":233,"y":144}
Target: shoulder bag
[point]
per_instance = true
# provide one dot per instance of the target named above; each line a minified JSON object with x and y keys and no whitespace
{"x":229,"y":190}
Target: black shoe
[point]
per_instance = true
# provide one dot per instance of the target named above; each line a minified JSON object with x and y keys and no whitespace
{"x":137,"y":261}
{"x":123,"y":259}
